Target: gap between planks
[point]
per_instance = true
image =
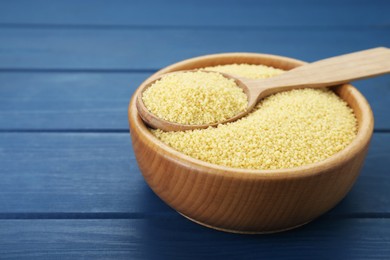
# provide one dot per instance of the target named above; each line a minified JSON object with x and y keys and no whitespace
{"x":67,"y":131}
{"x":161,"y":215}
{"x":86,"y":70}
{"x":191,"y":27}
{"x":97,"y":215}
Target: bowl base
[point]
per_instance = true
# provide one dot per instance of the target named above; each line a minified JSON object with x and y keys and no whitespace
{"x":240,"y":231}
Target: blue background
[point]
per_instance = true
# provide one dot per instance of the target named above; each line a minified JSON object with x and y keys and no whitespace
{"x":69,"y":183}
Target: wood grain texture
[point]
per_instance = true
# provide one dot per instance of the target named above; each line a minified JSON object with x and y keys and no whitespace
{"x":232,"y":13}
{"x":241,"y":200}
{"x":97,"y":101}
{"x":47,"y":48}
{"x":48,"y":174}
{"x":327,"y":72}
{"x":177,"y":238}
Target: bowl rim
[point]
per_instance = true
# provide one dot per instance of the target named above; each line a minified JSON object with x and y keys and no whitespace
{"x":360,"y":142}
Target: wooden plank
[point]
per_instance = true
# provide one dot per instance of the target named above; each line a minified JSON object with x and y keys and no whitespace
{"x":369,"y":192}
{"x":72,"y":173}
{"x":377,"y":94}
{"x":156,"y":48}
{"x":178,"y":238}
{"x":98,"y":101}
{"x":66,"y":101}
{"x":97,"y":173}
{"x":198,"y":13}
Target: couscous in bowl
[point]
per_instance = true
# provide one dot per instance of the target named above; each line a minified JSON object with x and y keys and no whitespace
{"x":243,"y":200}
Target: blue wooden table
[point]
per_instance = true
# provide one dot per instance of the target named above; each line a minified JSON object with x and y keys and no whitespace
{"x":70,"y":187}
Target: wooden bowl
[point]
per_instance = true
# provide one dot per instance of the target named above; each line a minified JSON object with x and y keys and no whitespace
{"x":249,"y":201}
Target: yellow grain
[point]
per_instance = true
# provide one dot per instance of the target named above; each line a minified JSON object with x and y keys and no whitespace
{"x":286,"y":130}
{"x":195,"y":98}
{"x":247,"y":70}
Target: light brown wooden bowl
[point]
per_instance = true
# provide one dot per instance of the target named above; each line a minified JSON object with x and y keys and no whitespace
{"x":249,"y":201}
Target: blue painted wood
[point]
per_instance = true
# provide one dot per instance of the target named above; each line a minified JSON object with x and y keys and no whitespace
{"x":97,"y":173}
{"x":70,"y":101}
{"x":178,"y":238}
{"x":156,"y":48}
{"x":372,"y":182}
{"x":98,"y":101}
{"x":76,"y":192}
{"x":291,"y":13}
{"x":67,"y":172}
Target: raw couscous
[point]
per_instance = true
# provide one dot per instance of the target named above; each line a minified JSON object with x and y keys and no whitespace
{"x":195,"y":98}
{"x":285,"y":130}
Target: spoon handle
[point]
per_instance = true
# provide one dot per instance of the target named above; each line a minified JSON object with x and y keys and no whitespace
{"x":327,"y":72}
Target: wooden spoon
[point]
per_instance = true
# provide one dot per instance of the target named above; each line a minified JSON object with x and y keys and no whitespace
{"x":324,"y":73}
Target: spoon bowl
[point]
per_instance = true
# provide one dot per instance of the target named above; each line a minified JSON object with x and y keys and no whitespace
{"x":158,"y":123}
